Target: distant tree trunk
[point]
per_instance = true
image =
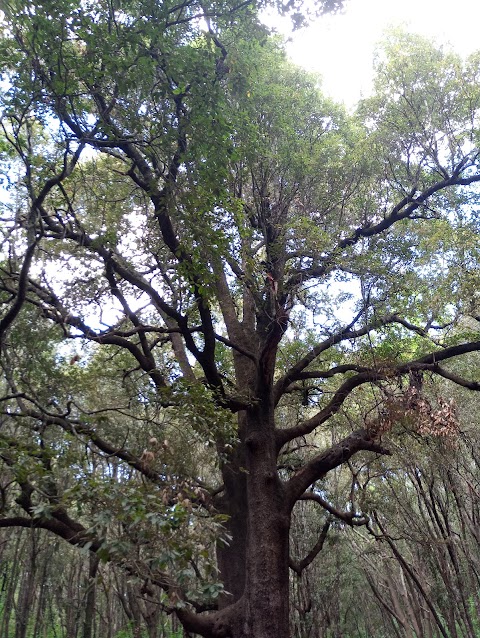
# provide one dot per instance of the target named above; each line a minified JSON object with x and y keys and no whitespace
{"x":107,"y":629}
{"x":90,"y":598}
{"x":71,"y":601}
{"x":27,"y":588}
{"x":38,"y":629}
{"x":13,"y":568}
{"x":135,"y":613}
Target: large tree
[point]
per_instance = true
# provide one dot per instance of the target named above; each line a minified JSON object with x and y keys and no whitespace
{"x":189,"y":212}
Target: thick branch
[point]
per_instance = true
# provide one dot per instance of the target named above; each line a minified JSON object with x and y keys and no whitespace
{"x":236,"y":347}
{"x":440,"y":355}
{"x":332,"y":407}
{"x":210,"y":624}
{"x":15,"y":308}
{"x":428,"y":362}
{"x":52,"y":525}
{"x":403,"y":210}
{"x":227,"y":306}
{"x":329,"y":459}
{"x":350,"y":518}
{"x":465,"y":383}
{"x":342,"y":335}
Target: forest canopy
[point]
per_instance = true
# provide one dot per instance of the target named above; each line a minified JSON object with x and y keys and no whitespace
{"x":218,"y":288}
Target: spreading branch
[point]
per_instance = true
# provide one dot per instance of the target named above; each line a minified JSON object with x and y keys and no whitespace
{"x":328,"y":460}
{"x":405,"y":209}
{"x":345,"y":334}
{"x":428,"y":362}
{"x":350,"y":518}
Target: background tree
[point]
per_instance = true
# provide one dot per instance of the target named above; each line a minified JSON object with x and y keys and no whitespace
{"x":174,"y":328}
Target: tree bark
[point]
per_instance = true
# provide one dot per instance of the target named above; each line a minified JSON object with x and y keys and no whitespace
{"x":233,"y":502}
{"x":14,"y":570}
{"x":264,"y":605}
{"x":26,"y":592}
{"x":90,"y":597}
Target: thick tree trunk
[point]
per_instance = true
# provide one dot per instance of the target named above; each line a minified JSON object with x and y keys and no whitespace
{"x":255,"y":565}
{"x":231,"y":556}
{"x":233,"y":502}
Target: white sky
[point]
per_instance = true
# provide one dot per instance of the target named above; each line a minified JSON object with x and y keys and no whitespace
{"x":341,"y":47}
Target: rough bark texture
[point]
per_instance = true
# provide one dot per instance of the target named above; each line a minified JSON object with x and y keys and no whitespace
{"x":90,"y":597}
{"x":254,"y":567}
{"x":231,"y":557}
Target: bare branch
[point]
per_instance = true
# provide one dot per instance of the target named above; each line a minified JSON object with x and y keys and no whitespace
{"x":298,"y":567}
{"x":350,"y":518}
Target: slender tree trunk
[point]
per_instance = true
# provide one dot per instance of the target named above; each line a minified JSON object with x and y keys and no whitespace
{"x":42,"y":594}
{"x":71,"y":601}
{"x":90,"y":598}
{"x":11,"y":587}
{"x":135,"y":612}
{"x":27,"y":588}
